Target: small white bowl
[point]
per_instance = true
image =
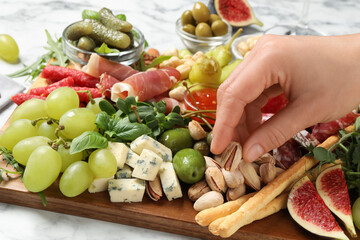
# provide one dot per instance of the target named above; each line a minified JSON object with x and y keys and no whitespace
{"x":237,"y":54}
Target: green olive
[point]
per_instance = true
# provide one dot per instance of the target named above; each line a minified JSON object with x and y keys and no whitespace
{"x":202,"y":147}
{"x":213,"y":18}
{"x":187,"y":18}
{"x":176,"y":139}
{"x":189,"y":28}
{"x":209,"y":138}
{"x":200,"y":12}
{"x":86,"y":43}
{"x":219,"y":28}
{"x":203,"y":30}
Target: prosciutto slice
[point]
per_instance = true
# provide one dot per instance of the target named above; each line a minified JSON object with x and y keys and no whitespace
{"x":106,"y":83}
{"x":146,"y":85}
{"x":98,"y":65}
{"x":322,"y":131}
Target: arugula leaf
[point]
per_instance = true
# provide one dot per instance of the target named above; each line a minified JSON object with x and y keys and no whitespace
{"x":56,"y":47}
{"x":103,"y":49}
{"x":157,"y":61}
{"x":131,"y":131}
{"x":88,"y":140}
{"x":323,"y":155}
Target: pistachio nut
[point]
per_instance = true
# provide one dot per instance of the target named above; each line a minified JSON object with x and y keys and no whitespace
{"x":256,"y":167}
{"x":197,"y":190}
{"x":231,"y":156}
{"x":208,"y":200}
{"x":196,"y":130}
{"x":233,"y":179}
{"x":266,"y":158}
{"x":250,"y":175}
{"x":267,"y":172}
{"x":215,"y":179}
{"x":211,"y":162}
{"x":279,"y":171}
{"x":235,"y":193}
{"x":154,"y":189}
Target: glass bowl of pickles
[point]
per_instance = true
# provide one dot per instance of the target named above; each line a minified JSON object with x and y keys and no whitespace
{"x":104,"y":33}
{"x":199,"y":30}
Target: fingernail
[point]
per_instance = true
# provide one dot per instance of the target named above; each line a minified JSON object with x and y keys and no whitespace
{"x":254,"y":152}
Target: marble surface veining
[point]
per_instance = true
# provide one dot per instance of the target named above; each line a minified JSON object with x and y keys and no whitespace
{"x":26,"y":22}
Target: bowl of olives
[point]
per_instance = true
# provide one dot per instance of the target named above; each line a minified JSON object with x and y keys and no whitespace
{"x":199,"y":30}
{"x":105,"y":34}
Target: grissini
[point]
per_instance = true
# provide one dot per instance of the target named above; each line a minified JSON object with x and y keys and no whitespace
{"x":273,"y":207}
{"x":248,"y":211}
{"x":205,"y":217}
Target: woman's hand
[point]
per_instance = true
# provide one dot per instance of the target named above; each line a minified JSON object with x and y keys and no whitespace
{"x":320,"y":76}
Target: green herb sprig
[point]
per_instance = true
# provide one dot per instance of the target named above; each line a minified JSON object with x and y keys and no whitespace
{"x":8,"y":157}
{"x":347,"y":149}
{"x":54,"y":52}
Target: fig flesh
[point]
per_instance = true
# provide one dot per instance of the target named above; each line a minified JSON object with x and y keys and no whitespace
{"x":308,"y":209}
{"x":237,"y":12}
{"x":331,"y":186}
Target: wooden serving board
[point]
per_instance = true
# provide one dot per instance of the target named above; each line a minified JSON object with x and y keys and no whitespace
{"x":175,"y":216}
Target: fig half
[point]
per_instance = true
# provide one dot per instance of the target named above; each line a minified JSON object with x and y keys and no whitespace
{"x":308,"y":209}
{"x":331,"y":186}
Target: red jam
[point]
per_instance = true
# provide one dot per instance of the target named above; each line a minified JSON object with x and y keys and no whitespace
{"x":205,"y":99}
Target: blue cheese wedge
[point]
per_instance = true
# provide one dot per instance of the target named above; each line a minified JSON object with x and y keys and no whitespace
{"x":147,"y":166}
{"x":120,"y":151}
{"x":125,"y":172}
{"x":131,"y":158}
{"x":99,"y":185}
{"x":169,"y":181}
{"x":126,"y":190}
{"x":146,"y":142}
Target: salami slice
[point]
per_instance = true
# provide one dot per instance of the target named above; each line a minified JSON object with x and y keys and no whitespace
{"x":306,"y":139}
{"x":322,"y":131}
{"x":98,"y":65}
{"x":146,"y":85}
{"x":287,"y":154}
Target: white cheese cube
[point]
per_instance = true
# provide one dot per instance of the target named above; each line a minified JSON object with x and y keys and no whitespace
{"x":131,"y":158}
{"x":146,"y":142}
{"x":126,"y":190}
{"x":120,"y":151}
{"x":99,"y":185}
{"x":125,"y":172}
{"x":169,"y":181}
{"x":147,"y":166}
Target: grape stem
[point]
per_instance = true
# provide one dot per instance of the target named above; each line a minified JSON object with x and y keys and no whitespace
{"x":92,"y":101}
{"x":48,"y":119}
{"x":134,"y":108}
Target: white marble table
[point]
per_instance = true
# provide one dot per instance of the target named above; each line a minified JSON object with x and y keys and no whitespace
{"x":26,"y":22}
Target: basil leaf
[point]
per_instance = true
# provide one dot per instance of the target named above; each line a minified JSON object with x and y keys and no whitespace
{"x":107,"y":107}
{"x":88,"y":140}
{"x":102,"y":121}
{"x":105,"y":49}
{"x":131,"y":131}
{"x":121,"y":17}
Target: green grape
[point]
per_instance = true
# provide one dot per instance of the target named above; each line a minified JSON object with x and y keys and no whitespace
{"x":17,"y":131}
{"x":30,"y":109}
{"x":9,"y":50}
{"x":42,"y":169}
{"x":68,"y":158}
{"x":94,"y":107}
{"x":47,"y":130}
{"x":76,"y":179}
{"x":60,"y":101}
{"x":102,"y":163}
{"x":356,"y":212}
{"x":23,"y":149}
{"x":76,"y":121}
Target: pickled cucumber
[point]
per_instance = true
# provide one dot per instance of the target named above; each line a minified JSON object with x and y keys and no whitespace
{"x":107,"y":18}
{"x":86,"y":43}
{"x":79,"y":29}
{"x":109,"y":36}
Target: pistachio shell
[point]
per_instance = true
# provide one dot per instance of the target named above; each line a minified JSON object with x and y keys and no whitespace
{"x":266,"y":158}
{"x":267,"y":172}
{"x":196,"y":130}
{"x":197,"y":190}
{"x":250,"y":175}
{"x":215,"y":179}
{"x":154,"y":189}
{"x":231,"y":156}
{"x":233,"y":179}
{"x":211,"y":162}
{"x":208,"y":200}
{"x":235,"y":193}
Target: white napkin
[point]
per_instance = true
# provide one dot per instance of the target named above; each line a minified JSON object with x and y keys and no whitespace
{"x":8,"y":88}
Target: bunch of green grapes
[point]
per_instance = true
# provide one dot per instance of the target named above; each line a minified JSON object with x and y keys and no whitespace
{"x":39,"y":136}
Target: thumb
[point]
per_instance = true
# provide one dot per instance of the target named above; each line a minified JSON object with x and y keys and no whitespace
{"x":276,"y":131}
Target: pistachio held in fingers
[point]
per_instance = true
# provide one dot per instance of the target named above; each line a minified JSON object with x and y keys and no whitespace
{"x":231,"y":156}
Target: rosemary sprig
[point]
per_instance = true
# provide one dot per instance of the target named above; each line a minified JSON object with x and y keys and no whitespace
{"x":7,"y":156}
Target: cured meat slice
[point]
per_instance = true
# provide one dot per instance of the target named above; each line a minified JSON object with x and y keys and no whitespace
{"x":287,"y":154}
{"x":56,"y":73}
{"x":22,"y":97}
{"x":66,"y":82}
{"x":322,"y":131}
{"x":306,"y":139}
{"x":146,"y":85}
{"x":98,"y":65}
{"x":266,"y":116}
{"x":275,"y":104}
{"x":106,"y":83}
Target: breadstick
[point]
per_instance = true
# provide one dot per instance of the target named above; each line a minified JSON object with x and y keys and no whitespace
{"x":205,"y":217}
{"x":273,"y":207}
{"x":248,"y":211}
